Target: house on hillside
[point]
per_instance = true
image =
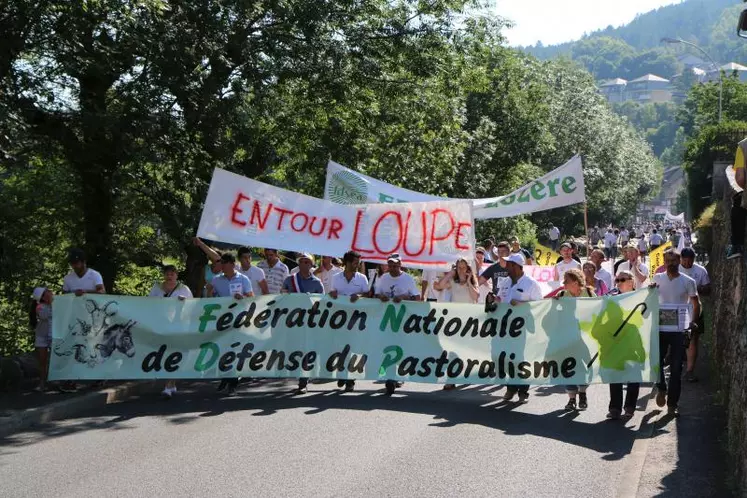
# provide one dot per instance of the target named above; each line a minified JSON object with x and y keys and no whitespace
{"x":614,"y":90}
{"x":649,"y":88}
{"x":689,"y":61}
{"x":728,"y":70}
{"x":672,"y":181}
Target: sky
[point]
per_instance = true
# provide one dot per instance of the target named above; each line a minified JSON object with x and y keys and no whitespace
{"x":558,"y":21}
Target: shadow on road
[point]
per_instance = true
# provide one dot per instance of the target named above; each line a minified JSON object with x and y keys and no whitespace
{"x":612,"y":440}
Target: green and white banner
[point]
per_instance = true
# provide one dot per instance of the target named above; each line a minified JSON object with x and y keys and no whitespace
{"x":555,"y":341}
{"x":560,"y":187}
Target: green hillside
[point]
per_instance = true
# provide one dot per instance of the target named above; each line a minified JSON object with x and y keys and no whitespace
{"x":635,"y":49}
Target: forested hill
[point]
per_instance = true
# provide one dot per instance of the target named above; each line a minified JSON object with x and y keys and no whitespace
{"x":636,"y":49}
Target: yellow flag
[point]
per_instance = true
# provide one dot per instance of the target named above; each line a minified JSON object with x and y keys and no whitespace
{"x":657,"y":258}
{"x":544,"y":256}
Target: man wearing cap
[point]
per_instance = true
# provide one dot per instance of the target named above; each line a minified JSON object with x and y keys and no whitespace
{"x":303,"y":282}
{"x":349,"y":282}
{"x":397,"y":286}
{"x":689,"y":267}
{"x":81,"y":279}
{"x":523,"y":290}
{"x":517,"y":249}
{"x":567,"y":263}
{"x":230,"y":283}
{"x":634,"y":266}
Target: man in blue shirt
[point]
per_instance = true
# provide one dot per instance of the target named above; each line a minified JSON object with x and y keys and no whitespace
{"x":306,"y":283}
{"x":230,"y":284}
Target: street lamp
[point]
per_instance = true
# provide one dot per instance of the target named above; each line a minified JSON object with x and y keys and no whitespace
{"x":715,"y":65}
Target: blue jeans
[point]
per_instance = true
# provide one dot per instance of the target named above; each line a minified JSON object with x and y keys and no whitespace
{"x":675,"y":341}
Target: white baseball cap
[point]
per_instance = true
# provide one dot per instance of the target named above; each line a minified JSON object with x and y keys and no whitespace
{"x":515,"y":258}
{"x":38,"y":293}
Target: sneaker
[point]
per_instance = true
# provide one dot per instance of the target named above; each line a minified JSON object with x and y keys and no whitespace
{"x":583,"y":403}
{"x":223,"y":384}
{"x":571,"y":405}
{"x":629,"y":412}
{"x":341,"y":383}
{"x":661,"y":398}
{"x":449,"y":387}
{"x":168,"y":392}
{"x":673,"y":411}
{"x":350,"y":386}
{"x":523,"y":397}
{"x":734,"y":252}
{"x":614,"y":414}
{"x":301,"y":389}
{"x":509,"y":395}
{"x":390,"y":387}
{"x":399,"y":383}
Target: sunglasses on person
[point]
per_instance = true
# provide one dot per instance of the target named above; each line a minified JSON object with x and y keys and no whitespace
{"x":621,"y":280}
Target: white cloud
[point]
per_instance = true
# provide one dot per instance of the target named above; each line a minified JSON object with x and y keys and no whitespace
{"x":557,"y":21}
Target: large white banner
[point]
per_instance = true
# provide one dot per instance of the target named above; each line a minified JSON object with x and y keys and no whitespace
{"x":680,"y":218}
{"x":239,"y":210}
{"x":564,"y":341}
{"x":562,"y":186}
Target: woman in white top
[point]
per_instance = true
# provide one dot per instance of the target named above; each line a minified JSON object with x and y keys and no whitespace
{"x":462,"y":282}
{"x":170,"y":287}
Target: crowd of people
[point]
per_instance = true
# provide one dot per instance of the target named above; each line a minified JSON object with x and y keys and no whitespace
{"x":496,"y":274}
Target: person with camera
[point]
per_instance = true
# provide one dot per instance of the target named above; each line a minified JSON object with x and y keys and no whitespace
{"x":675,"y":288}
{"x":462,"y":283}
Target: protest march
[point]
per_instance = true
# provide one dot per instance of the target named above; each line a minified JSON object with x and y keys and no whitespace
{"x":388,"y":285}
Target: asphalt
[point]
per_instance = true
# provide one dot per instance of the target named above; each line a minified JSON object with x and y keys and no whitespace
{"x":266,"y":441}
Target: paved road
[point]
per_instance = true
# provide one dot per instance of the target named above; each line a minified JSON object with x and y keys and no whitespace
{"x":266,"y":442}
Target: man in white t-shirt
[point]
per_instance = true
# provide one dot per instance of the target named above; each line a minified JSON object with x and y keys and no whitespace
{"x":396,"y":286}
{"x":255,"y":275}
{"x":568,"y":263}
{"x":326,"y":271}
{"x":689,"y":267}
{"x":610,"y":244}
{"x":523,"y":289}
{"x":635,"y":266}
{"x":597,"y":257}
{"x":624,"y":236}
{"x":428,"y":291}
{"x":655,"y":239}
{"x":674,"y":289}
{"x":349,"y":282}
{"x":554,"y":235}
{"x":82,"y":280}
{"x":275,"y":271}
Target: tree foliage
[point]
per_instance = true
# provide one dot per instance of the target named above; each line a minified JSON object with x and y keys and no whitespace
{"x":115,"y":114}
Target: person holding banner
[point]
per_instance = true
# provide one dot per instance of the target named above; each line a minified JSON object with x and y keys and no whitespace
{"x":397,"y":286}
{"x":170,"y":287}
{"x":680,"y":293}
{"x":523,"y":290}
{"x":351,"y":283}
{"x":480,"y":268}
{"x":303,"y":282}
{"x":498,"y":273}
{"x":574,"y":285}
{"x":230,"y":283}
{"x":462,"y":283}
{"x":624,"y":283}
